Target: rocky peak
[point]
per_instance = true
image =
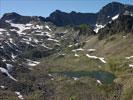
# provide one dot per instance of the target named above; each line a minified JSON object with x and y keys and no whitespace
{"x":110,"y":10}
{"x":17,"y":18}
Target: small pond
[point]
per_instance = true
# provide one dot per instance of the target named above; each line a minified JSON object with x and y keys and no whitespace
{"x":103,"y":76}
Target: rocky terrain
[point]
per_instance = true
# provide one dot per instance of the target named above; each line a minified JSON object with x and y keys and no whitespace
{"x":68,"y":56}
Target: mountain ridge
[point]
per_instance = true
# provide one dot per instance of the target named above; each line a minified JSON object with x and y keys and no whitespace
{"x":60,"y":18}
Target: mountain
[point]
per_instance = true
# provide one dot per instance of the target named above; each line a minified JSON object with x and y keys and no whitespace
{"x":123,"y":24}
{"x":112,"y":9}
{"x":16,"y":18}
{"x":77,"y":56}
{"x":101,"y":18}
{"x":61,"y":18}
{"x":95,"y":20}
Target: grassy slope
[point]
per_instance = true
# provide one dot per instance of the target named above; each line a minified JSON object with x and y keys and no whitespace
{"x":114,"y":49}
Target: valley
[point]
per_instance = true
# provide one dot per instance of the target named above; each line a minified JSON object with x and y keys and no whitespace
{"x":44,"y":59}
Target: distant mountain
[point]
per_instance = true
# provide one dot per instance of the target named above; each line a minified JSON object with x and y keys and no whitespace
{"x":102,"y":17}
{"x":17,"y":18}
{"x":112,"y":9}
{"x":61,"y":18}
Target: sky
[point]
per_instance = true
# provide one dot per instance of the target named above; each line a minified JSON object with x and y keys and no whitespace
{"x":45,"y":7}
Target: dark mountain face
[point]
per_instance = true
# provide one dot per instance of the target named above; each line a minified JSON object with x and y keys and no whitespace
{"x":124,"y":24}
{"x":61,"y":18}
{"x":102,"y":17}
{"x":107,"y":12}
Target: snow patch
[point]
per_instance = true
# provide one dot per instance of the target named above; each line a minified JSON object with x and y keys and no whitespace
{"x":98,"y":81}
{"x":2,"y":86}
{"x":98,"y":27}
{"x":76,"y":55}
{"x":39,"y":27}
{"x":129,"y":57}
{"x":115,"y":17}
{"x":46,"y":46}
{"x":102,"y":59}
{"x":9,"y":67}
{"x":75,"y":78}
{"x":3,"y":70}
{"x":2,"y":30}
{"x":79,"y":49}
{"x":50,"y":39}
{"x":32,"y":63}
{"x":21,"y":27}
{"x":95,"y":57}
{"x":70,"y":45}
{"x":19,"y":95}
{"x":131,"y":65}
{"x":48,"y":28}
{"x":91,"y":50}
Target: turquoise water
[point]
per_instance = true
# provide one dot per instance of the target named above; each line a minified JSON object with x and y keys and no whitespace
{"x":103,"y":76}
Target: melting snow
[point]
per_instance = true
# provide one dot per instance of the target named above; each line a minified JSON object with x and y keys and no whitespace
{"x":95,"y":57}
{"x":36,"y":41}
{"x":115,"y":17}
{"x":52,"y":40}
{"x":29,"y":24}
{"x":2,"y":86}
{"x":13,"y":56}
{"x":102,"y":59}
{"x":46,"y":46}
{"x":76,"y":55}
{"x":98,"y":27}
{"x":91,"y":50}
{"x":48,"y":34}
{"x":21,"y":27}
{"x":3,"y":70}
{"x":9,"y":67}
{"x":131,"y":65}
{"x":50,"y":75}
{"x":70,"y":45}
{"x":2,"y":30}
{"x":32,"y":63}
{"x":41,"y":34}
{"x":1,"y":33}
{"x":48,"y":27}
{"x":11,"y":40}
{"x":19,"y":95}
{"x":129,"y":57}
{"x":79,"y":49}
{"x":98,"y":81}
{"x":39,"y":27}
{"x":75,"y":78}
